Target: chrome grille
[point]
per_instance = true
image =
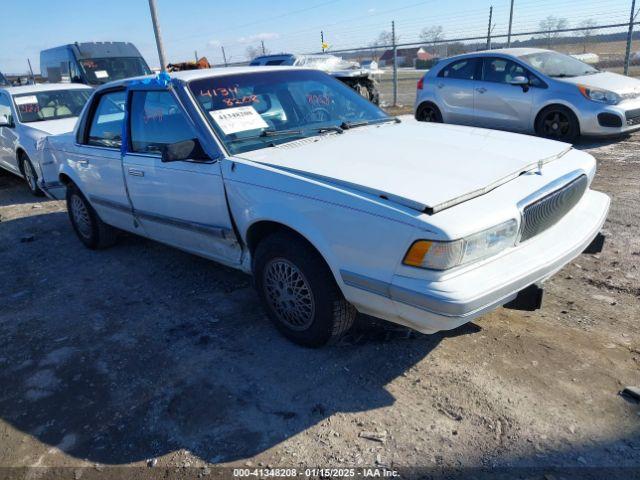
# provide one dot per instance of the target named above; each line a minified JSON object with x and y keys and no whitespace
{"x":547,"y":211}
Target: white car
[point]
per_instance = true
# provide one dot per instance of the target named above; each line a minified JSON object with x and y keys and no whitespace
{"x":332,"y":205}
{"x":27,"y":115}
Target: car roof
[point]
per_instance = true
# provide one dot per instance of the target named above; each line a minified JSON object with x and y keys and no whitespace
{"x":44,"y":87}
{"x":514,"y":52}
{"x":189,"y":75}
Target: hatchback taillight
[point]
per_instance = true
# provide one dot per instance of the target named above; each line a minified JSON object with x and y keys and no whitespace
{"x":421,"y":83}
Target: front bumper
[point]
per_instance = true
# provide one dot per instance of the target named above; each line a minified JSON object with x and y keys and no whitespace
{"x":430,"y":306}
{"x":594,"y":122}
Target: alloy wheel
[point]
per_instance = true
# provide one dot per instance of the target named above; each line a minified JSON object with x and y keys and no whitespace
{"x":429,"y":114}
{"x":30,"y":175}
{"x":81,"y":216}
{"x":556,"y":125}
{"x":288,"y":292}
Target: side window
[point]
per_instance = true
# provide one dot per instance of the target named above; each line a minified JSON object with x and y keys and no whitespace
{"x":156,"y":120}
{"x":500,"y":70}
{"x":464,"y":69}
{"x":275,"y":62}
{"x":106,"y":125}
{"x":5,"y":107}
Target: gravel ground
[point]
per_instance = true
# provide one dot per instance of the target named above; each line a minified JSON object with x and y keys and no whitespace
{"x":142,"y":354}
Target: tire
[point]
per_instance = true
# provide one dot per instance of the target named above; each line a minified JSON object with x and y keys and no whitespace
{"x":322,"y":314}
{"x":428,"y":112}
{"x":30,"y":175}
{"x":363,"y":91}
{"x":93,"y":232}
{"x":558,"y":123}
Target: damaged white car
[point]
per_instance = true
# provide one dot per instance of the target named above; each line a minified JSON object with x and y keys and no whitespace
{"x":332,"y":205}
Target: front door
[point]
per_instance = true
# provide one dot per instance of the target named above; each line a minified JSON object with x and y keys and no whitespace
{"x":181,"y":203}
{"x":498,"y":104}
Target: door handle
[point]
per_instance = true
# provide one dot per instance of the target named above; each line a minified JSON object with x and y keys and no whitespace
{"x":481,"y":90}
{"x":83,"y":163}
{"x":136,"y":173}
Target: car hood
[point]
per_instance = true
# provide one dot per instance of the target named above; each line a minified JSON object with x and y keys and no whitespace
{"x":54,"y":127}
{"x":625,"y":86}
{"x":427,"y":167}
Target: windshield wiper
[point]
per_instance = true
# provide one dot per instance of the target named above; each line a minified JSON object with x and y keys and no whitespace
{"x":268,"y":133}
{"x":362,"y":123}
{"x":330,"y":128}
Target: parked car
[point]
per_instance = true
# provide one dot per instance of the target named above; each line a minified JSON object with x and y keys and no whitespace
{"x":333,"y":206}
{"x":529,"y":90}
{"x":92,"y":63}
{"x":27,"y":115}
{"x":360,"y":78}
{"x":3,"y":81}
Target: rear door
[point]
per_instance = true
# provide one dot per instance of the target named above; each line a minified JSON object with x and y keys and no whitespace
{"x":454,"y":90}
{"x":498,"y":104}
{"x":97,"y":161}
{"x":8,"y":136}
{"x":181,"y":203}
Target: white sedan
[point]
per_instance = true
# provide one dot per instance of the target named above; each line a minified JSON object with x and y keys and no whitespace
{"x":333,"y":206}
{"x":27,"y":115}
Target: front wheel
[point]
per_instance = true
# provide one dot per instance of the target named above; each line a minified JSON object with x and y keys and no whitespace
{"x":558,"y":123}
{"x":30,"y":175}
{"x":91,"y":231}
{"x":299,"y":292}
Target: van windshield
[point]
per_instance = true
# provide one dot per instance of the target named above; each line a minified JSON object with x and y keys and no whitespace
{"x":50,"y":105}
{"x":103,"y":70}
{"x":260,"y":109}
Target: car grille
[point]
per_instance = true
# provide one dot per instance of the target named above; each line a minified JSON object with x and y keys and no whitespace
{"x":547,"y":211}
{"x":633,"y":116}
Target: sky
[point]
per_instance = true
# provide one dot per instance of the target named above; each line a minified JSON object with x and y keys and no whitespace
{"x":187,"y":26}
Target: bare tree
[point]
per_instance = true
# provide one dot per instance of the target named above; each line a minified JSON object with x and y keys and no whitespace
{"x":433,"y":36}
{"x":550,"y":27}
{"x":587,"y":29}
{"x":384,"y":38}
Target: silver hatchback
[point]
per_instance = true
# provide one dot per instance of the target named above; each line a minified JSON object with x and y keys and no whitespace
{"x":530,"y":91}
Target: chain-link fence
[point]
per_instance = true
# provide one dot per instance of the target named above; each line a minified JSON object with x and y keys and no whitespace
{"x":611,"y":47}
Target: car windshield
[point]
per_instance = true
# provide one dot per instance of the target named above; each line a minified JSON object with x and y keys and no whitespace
{"x":103,"y":70}
{"x":261,"y":109}
{"x":557,"y":65}
{"x":50,"y":105}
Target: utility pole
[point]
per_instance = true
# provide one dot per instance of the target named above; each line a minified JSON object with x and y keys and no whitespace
{"x":195,"y":53}
{"x":395,"y":63}
{"x":156,"y":31}
{"x":224,"y":57}
{"x":33,"y":77}
{"x":632,"y":18}
{"x":489,"y":28}
{"x":510,"y":23}
{"x":322,"y":39}
{"x":263,"y":50}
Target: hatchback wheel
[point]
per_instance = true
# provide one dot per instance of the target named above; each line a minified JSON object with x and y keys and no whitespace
{"x":91,"y":231}
{"x":30,"y":175}
{"x":299,"y":292}
{"x":429,"y":113}
{"x":558,"y":123}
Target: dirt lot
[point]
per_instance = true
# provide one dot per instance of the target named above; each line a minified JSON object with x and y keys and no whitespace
{"x":142,"y":354}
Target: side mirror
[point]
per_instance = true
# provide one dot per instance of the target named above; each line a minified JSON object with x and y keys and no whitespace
{"x":519,"y":81}
{"x":5,"y":121}
{"x":185,"y":150}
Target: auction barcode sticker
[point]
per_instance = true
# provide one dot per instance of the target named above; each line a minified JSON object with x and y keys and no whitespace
{"x":26,"y":100}
{"x":238,"y":119}
{"x":101,"y":74}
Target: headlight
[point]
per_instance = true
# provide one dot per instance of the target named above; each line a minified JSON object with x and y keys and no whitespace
{"x":438,"y":255}
{"x":601,"y":96}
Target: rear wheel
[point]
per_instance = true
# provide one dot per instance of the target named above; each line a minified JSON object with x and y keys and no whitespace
{"x":91,"y":231}
{"x":299,"y":292}
{"x":30,"y":175}
{"x":558,"y":123}
{"x":428,"y":112}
